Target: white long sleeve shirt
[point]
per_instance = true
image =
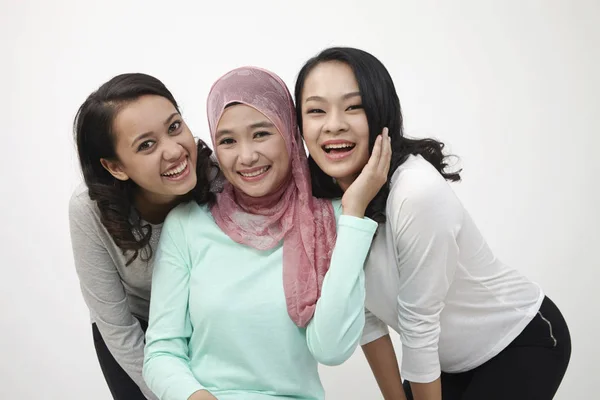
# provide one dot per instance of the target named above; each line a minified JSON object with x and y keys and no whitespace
{"x":431,"y":277}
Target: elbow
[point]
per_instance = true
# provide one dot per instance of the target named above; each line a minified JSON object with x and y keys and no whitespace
{"x":334,"y":356}
{"x":149,"y":368}
{"x":151,"y":373}
{"x":146,"y":376}
{"x":332,"y":360}
{"x":146,"y":370}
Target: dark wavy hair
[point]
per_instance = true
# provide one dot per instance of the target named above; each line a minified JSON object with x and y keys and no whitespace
{"x":95,"y":138}
{"x":382,"y":108}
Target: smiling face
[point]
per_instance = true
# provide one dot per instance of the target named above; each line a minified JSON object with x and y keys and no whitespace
{"x":251,"y":151}
{"x":155,"y":149}
{"x":334,"y":123}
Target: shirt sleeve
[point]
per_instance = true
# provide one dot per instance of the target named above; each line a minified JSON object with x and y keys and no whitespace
{"x":425,"y":216}
{"x":104,"y":293}
{"x":167,"y":364}
{"x":374,"y":328}
{"x":335,"y":330}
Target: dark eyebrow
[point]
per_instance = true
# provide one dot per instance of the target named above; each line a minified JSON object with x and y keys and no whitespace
{"x":223,"y":132}
{"x":261,"y":124}
{"x":345,"y":97}
{"x":350,"y":95}
{"x":146,"y":134}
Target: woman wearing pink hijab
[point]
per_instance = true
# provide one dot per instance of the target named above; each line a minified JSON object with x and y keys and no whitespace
{"x":250,"y":293}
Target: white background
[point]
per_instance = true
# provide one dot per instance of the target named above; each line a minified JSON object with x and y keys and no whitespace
{"x":511,"y":86}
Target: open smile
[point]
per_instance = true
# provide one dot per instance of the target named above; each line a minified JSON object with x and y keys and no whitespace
{"x":178,"y":172}
{"x":338,"y":149}
{"x":254,"y":174}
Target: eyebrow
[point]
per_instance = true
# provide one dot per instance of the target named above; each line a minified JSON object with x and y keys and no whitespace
{"x":344,"y":97}
{"x":260,"y":124}
{"x":146,"y":134}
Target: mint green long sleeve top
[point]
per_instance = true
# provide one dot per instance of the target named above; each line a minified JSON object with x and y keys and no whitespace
{"x":218,"y":316}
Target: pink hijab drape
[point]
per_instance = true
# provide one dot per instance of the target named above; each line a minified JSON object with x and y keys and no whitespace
{"x":306,"y":224}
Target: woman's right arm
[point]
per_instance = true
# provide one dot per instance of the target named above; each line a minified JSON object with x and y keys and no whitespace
{"x":167,"y":367}
{"x":335,"y":330}
{"x":104,"y":294}
{"x":379,"y":352}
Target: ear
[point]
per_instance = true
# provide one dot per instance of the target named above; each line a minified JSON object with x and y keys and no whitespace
{"x":115,"y":169}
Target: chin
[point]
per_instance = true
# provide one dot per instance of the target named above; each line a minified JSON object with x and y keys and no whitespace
{"x":339,"y":173}
{"x":253,"y":192}
{"x":188,"y":187}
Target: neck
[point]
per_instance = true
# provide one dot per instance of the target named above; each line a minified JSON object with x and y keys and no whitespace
{"x":154,"y":207}
{"x":345,"y":182}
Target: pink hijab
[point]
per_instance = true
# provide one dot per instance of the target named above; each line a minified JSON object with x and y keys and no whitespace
{"x":306,"y":224}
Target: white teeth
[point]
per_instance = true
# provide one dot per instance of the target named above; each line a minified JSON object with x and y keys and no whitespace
{"x":338,"y":146}
{"x":177,"y":169}
{"x":255,"y":173}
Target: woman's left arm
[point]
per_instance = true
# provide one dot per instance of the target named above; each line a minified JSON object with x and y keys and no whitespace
{"x":426,"y":218}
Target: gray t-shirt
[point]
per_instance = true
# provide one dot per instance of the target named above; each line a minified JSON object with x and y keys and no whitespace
{"x":113,"y":292}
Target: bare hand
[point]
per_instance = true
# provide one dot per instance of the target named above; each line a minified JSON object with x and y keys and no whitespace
{"x":202,"y":395}
{"x":373,"y":176}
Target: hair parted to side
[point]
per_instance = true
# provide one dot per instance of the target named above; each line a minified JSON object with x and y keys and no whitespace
{"x":95,"y":139}
{"x":382,"y":108}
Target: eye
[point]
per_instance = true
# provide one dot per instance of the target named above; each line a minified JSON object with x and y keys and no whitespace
{"x":261,"y":134}
{"x":226,"y":141}
{"x":175,"y":126}
{"x":355,"y":107}
{"x":315,"y":111}
{"x":146,"y":145}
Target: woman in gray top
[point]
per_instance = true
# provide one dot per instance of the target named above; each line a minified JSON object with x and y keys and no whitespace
{"x":139,"y":160}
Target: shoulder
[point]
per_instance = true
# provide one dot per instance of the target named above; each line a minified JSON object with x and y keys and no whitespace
{"x":188,"y":215}
{"x":190,"y":209}
{"x":82,"y":209}
{"x":80,"y":198}
{"x":417,"y":189}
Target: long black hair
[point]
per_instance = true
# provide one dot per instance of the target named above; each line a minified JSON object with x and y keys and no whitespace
{"x":382,"y":108}
{"x":93,"y":130}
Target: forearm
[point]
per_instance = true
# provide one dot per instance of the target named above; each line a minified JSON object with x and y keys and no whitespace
{"x":427,"y":391}
{"x":168,"y":369}
{"x":338,"y":322}
{"x":383,"y":362}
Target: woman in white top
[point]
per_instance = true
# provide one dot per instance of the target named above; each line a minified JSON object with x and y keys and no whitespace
{"x":471,"y":327}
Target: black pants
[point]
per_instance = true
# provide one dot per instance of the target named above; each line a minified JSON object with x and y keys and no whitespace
{"x":530,"y":368}
{"x":121,"y":386}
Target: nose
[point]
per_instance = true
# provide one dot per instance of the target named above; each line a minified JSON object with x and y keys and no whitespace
{"x":248,"y":155}
{"x":335,"y":122}
{"x":172,"y":150}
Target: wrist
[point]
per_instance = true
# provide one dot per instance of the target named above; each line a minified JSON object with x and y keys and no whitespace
{"x":353,"y":210}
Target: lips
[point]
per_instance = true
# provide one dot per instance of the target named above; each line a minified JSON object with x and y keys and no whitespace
{"x":337,"y":146}
{"x":254,"y":174}
{"x":254,"y":171}
{"x":176,"y":170}
{"x":336,"y":150}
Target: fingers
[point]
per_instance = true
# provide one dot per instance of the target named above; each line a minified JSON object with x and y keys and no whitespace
{"x":376,"y":153}
{"x":386,"y":153}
